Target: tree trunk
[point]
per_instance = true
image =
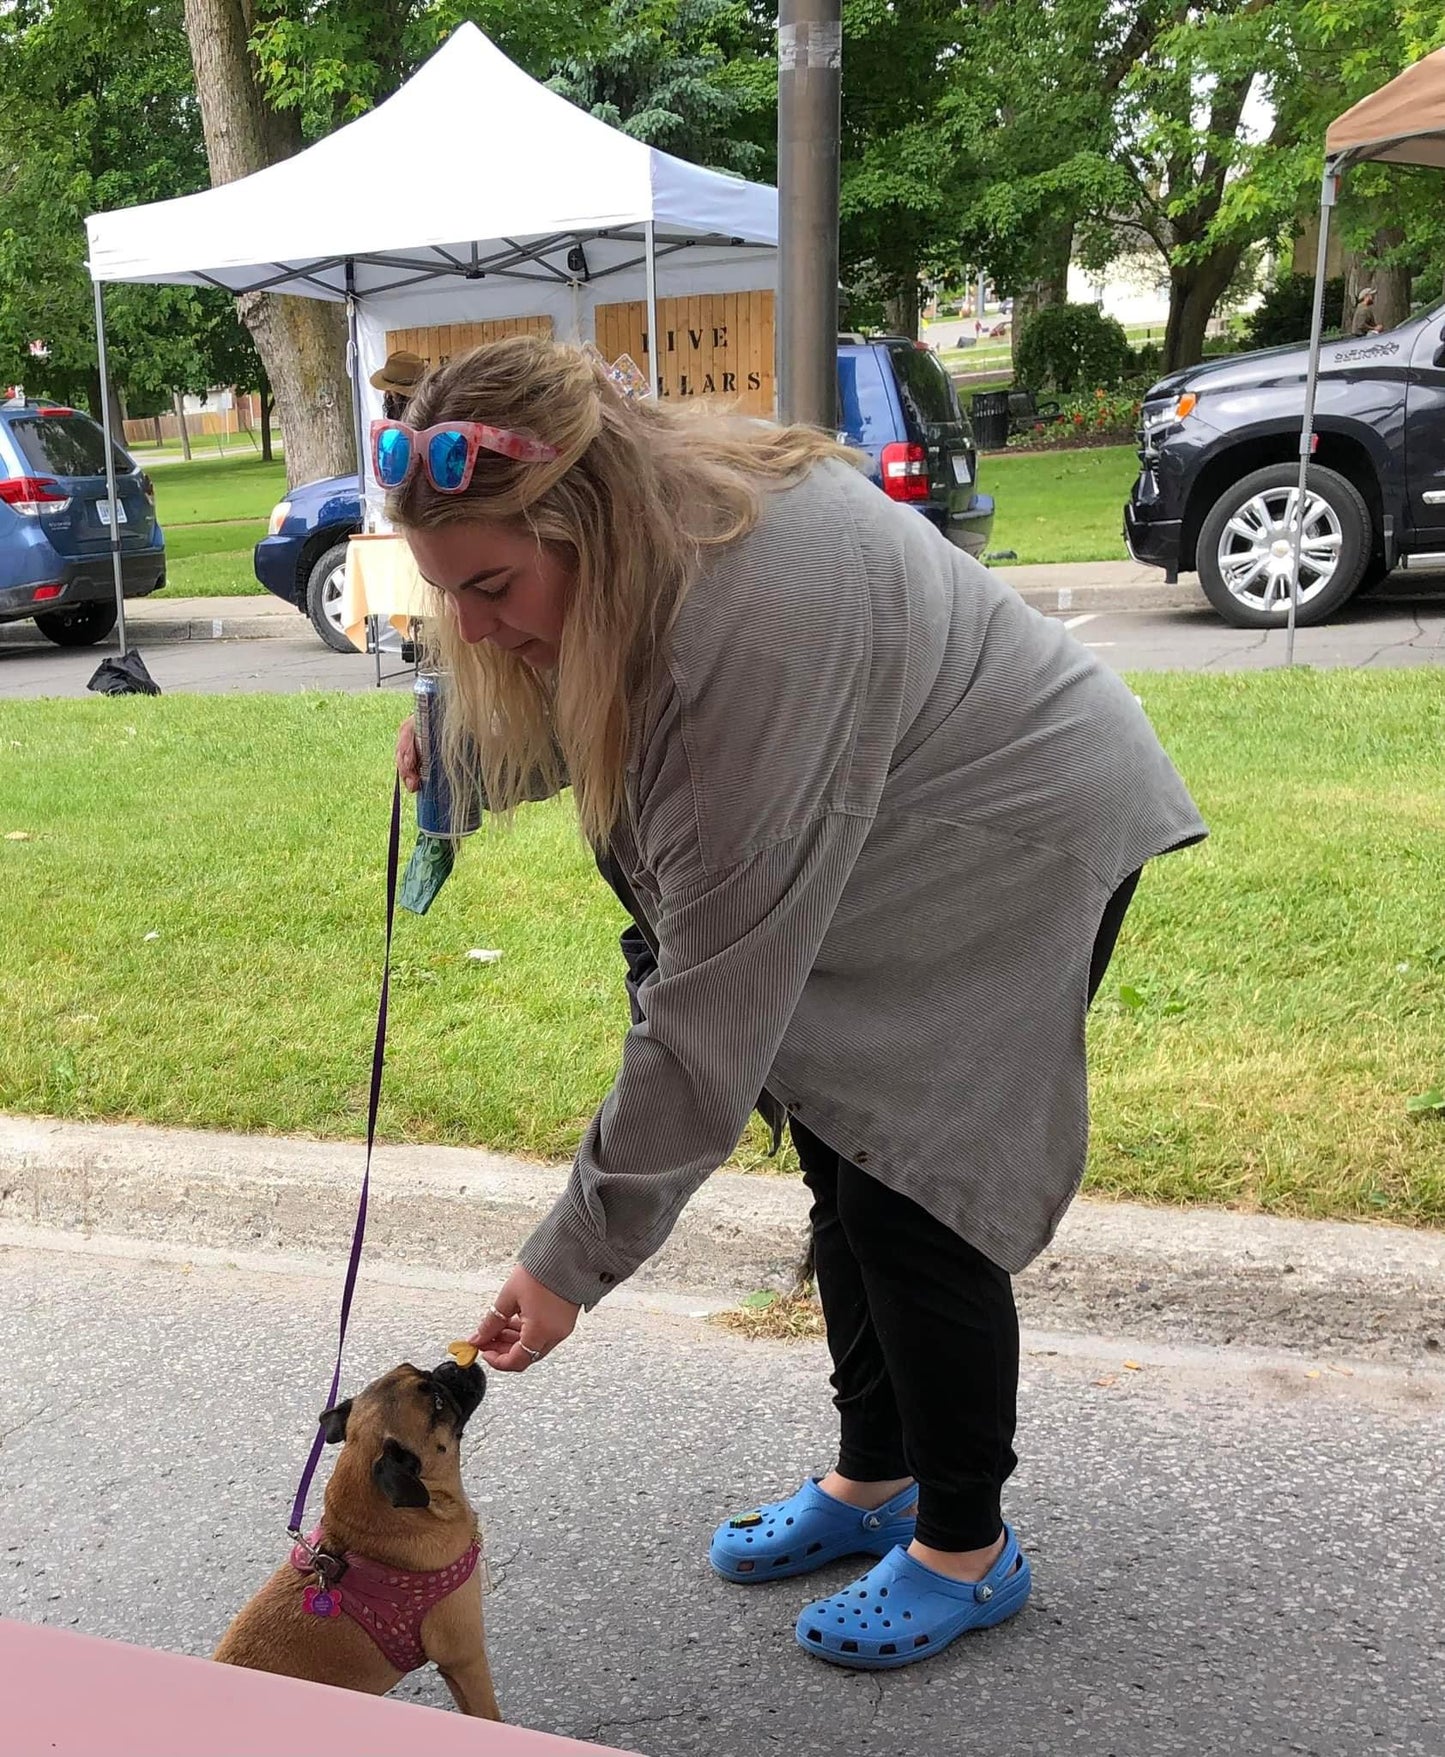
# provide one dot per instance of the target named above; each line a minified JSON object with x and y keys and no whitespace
{"x":901,"y":307}
{"x":302,"y":342}
{"x":265,"y":427}
{"x":97,"y":405}
{"x":157,"y":423}
{"x":1051,"y":287}
{"x":1195,"y":288}
{"x":1391,"y":284}
{"x":180,"y":404}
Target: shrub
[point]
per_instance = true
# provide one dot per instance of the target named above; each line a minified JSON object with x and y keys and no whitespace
{"x":1066,"y":347}
{"x":1284,"y":316}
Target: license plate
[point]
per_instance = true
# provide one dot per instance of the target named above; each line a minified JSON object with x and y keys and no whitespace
{"x":103,"y":508}
{"x":961,"y":472}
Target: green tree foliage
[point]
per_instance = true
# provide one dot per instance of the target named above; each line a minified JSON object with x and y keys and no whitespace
{"x":95,"y":113}
{"x":1284,"y":314}
{"x":678,"y":74}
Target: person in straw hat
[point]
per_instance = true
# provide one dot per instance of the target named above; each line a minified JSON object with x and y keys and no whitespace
{"x":397,"y":377}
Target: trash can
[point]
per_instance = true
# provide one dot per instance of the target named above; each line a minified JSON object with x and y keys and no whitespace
{"x":988,"y":410}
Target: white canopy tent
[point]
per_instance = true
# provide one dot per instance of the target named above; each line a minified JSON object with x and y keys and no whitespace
{"x":471,"y":194}
{"x":1403,"y":123}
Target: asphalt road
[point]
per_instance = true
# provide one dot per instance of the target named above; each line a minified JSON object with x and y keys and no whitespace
{"x":1376,"y":634}
{"x":280,"y":666}
{"x":1233,"y":1554}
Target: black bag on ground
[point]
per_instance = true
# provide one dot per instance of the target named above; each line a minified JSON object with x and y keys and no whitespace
{"x":126,"y":675}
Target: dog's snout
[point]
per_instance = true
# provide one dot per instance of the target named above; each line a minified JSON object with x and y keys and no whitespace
{"x":465,"y":1385}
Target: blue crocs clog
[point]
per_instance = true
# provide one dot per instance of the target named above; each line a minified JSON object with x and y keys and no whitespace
{"x":902,"y":1611}
{"x":805,"y":1532}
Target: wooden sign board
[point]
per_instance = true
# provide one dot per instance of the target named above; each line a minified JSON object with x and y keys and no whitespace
{"x":713,"y":345}
{"x":440,"y":342}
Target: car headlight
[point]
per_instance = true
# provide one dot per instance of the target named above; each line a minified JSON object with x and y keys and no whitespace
{"x":1157,"y":419}
{"x":279,"y":515}
{"x":1169,"y":414}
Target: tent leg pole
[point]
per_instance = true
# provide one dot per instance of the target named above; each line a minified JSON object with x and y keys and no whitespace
{"x":654,"y":341}
{"x":358,"y":409}
{"x":115,"y":562}
{"x":1306,"y":442}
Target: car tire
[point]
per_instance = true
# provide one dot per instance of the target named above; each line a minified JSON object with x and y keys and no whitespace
{"x":81,"y":626}
{"x":1243,"y":552}
{"x":323,"y":598}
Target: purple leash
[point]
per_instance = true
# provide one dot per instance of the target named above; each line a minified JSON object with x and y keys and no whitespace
{"x":358,"y":1236}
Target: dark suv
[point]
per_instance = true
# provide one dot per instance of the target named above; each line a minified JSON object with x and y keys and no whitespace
{"x":1219,"y":472}
{"x":55,"y":563}
{"x":896,"y":402}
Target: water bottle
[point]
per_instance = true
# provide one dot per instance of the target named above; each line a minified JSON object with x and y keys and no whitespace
{"x":437,"y":812}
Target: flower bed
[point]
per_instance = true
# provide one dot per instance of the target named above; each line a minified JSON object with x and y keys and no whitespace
{"x":1101,"y":418}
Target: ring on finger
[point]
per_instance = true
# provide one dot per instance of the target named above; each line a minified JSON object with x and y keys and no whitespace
{"x":492,"y":1312}
{"x":536,"y":1353}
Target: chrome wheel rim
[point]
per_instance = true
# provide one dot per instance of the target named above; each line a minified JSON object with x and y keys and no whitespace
{"x":331,"y":597}
{"x":1256,"y":549}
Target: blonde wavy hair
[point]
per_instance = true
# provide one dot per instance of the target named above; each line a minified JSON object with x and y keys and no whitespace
{"x":640,"y":489}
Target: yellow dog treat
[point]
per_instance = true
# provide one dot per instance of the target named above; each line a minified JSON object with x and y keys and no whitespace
{"x":463,"y":1353}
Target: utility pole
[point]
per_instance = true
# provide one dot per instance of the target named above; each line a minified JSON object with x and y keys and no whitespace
{"x":810,"y":87}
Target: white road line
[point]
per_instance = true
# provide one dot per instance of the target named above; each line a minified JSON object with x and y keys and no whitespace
{"x":1079,"y":621}
{"x":1094,"y":646}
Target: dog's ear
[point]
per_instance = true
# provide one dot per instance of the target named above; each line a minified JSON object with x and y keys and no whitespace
{"x":397,"y":1473}
{"x":333,"y":1422}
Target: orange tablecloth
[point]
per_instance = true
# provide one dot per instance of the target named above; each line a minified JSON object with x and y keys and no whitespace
{"x":382,"y":581}
{"x":76,"y":1696}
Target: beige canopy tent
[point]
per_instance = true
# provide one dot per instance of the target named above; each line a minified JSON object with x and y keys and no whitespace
{"x":1401,"y":124}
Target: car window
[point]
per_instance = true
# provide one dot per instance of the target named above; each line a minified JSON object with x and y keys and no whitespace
{"x":64,"y":445}
{"x":865,"y":412}
{"x":925,"y":387}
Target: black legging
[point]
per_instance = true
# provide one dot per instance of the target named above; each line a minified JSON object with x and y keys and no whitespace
{"x":923,"y":1333}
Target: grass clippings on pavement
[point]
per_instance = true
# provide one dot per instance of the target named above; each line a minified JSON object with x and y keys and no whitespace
{"x":774,"y":1317}
{"x":194,"y":938}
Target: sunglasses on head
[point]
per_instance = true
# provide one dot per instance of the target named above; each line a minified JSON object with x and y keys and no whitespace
{"x":447,"y":452}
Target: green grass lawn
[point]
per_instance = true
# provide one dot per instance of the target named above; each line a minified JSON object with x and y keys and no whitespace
{"x":1052,"y":506}
{"x":1286,"y":982}
{"x":214,"y":511}
{"x":214,"y":489}
{"x":1060,"y":505}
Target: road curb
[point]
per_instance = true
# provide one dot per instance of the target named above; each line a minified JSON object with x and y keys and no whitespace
{"x":1087,"y":599}
{"x":1174,"y":1275}
{"x":1050,"y":596}
{"x":217,"y":628}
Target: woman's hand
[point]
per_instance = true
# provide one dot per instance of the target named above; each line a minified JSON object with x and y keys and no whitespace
{"x":525,"y":1324}
{"x":408,"y":758}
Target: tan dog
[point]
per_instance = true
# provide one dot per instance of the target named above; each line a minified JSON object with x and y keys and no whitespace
{"x":391,"y":1579}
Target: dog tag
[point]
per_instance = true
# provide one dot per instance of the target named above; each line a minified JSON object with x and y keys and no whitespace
{"x":321,"y":1601}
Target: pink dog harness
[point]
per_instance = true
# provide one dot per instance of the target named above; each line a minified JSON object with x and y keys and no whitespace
{"x":389,"y":1603}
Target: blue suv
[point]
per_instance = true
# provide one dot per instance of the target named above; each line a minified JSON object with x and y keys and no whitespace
{"x":55,"y":561}
{"x":896,"y":403}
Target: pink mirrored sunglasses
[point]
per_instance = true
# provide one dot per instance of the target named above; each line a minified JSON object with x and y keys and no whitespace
{"x":447,"y":452}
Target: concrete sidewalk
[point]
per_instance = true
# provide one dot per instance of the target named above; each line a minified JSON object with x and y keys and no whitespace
{"x":1080,"y":586}
{"x":1173,"y":1275}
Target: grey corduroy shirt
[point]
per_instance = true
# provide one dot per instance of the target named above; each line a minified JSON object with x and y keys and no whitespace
{"x":876,"y":808}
